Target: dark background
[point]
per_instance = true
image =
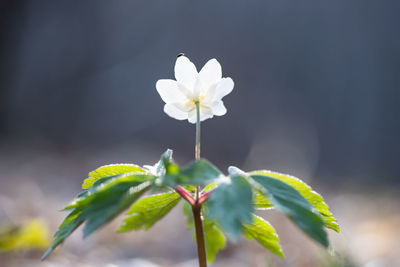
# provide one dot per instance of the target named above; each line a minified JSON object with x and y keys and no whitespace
{"x":316,"y":87}
{"x":83,"y":72}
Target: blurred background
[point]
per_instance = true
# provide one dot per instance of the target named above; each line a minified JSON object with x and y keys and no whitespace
{"x":316,"y":95}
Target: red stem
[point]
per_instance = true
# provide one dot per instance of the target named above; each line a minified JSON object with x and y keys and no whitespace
{"x":188,"y":197}
{"x":205,"y":196}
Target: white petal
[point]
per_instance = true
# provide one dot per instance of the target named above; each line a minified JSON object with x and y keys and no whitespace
{"x":197,"y":89}
{"x":184,"y":106}
{"x":192,"y":116}
{"x":205,"y":113}
{"x":169,"y":91}
{"x":185,"y":72}
{"x":174,"y":112}
{"x":211,"y":72}
{"x":224,"y":87}
{"x":187,"y":92}
{"x":218,"y":108}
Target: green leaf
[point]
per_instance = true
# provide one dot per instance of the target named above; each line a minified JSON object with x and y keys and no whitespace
{"x":209,"y":187}
{"x":306,"y":191}
{"x":230,"y":205}
{"x":213,"y":236}
{"x":96,"y":185}
{"x":168,"y":165}
{"x":100,"y":204}
{"x":214,"y":240}
{"x":260,"y":202}
{"x":73,"y":220}
{"x":165,"y":165}
{"x":263,"y":232}
{"x":110,"y":170}
{"x":70,"y":223}
{"x":112,"y":199}
{"x":289,"y":201}
{"x":159,"y":169}
{"x":199,"y":172}
{"x":187,"y":212}
{"x":144,"y":213}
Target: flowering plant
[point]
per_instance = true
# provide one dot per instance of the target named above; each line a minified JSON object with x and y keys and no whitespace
{"x":216,"y":205}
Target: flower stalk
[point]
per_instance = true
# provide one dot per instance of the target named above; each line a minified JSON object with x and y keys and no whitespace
{"x":196,"y":208}
{"x":197,"y":149}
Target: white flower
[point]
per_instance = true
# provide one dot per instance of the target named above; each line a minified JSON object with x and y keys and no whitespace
{"x":206,"y":87}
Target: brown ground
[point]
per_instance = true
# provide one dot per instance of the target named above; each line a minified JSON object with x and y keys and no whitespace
{"x":38,"y":183}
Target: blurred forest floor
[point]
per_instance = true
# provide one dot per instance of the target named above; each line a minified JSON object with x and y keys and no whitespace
{"x":36,"y":182}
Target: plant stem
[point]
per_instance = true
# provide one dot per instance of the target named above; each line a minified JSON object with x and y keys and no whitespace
{"x":198,"y":224}
{"x":196,"y":208}
{"x":185,"y":195}
{"x":197,"y":150}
